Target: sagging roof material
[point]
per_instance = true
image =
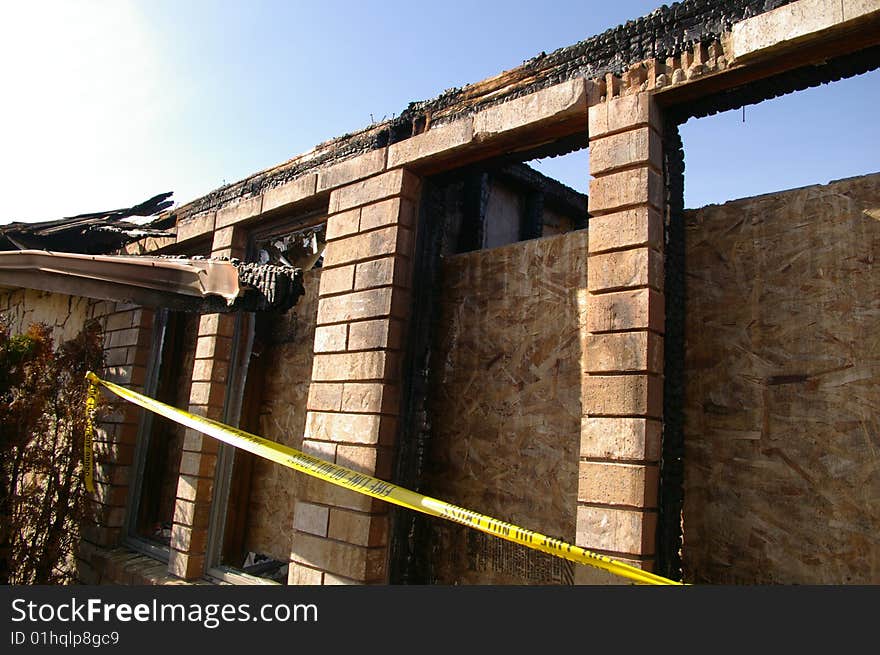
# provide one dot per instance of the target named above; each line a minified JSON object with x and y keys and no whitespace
{"x":94,"y":233}
{"x":184,"y":284}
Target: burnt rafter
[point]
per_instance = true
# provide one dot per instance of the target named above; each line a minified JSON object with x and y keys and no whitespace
{"x":93,"y":233}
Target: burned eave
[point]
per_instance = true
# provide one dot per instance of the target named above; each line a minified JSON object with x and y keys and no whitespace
{"x":178,"y":283}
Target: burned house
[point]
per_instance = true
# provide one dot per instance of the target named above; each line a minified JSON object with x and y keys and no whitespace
{"x":691,"y":392}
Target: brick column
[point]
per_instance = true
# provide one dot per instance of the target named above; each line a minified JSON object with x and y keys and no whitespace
{"x":127,"y":330}
{"x":195,"y":488}
{"x":623,"y":344}
{"x":341,"y":537}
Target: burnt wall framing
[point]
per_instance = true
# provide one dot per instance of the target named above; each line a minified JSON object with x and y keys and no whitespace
{"x":410,"y":531}
{"x":671,"y":497}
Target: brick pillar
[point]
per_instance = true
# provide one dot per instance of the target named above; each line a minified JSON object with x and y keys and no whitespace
{"x":192,"y":507}
{"x":623,"y":344}
{"x":341,"y":537}
{"x":127,"y":331}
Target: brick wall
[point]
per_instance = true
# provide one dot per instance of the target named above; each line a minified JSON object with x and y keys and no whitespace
{"x":127,"y":334}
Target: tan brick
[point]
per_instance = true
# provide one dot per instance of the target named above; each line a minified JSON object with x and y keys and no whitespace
{"x":324,"y":493}
{"x":639,"y":226}
{"x":590,"y":575}
{"x":623,"y":395}
{"x":623,"y":351}
{"x":640,"y":267}
{"x":386,"y":241}
{"x":554,"y":104}
{"x":188,"y":539}
{"x":442,"y":140}
{"x":375,"y":365}
{"x":351,"y":428}
{"x":219,"y":324}
{"x":194,"y":488}
{"x":385,"y":333}
{"x":612,"y":483}
{"x":210,"y":370}
{"x":372,"y":460}
{"x":119,"y":321}
{"x":320,"y":449}
{"x":119,"y":338}
{"x":197,"y":464}
{"x":394,"y":211}
{"x":325,"y":397}
{"x":195,"y":226}
{"x":343,"y":224}
{"x":381,"y":272}
{"x":351,"y":170}
{"x":620,"y":438}
{"x":854,"y":8}
{"x":241,"y":211}
{"x":108,"y":494}
{"x":337,"y":280}
{"x":228,"y":237}
{"x":196,"y":442}
{"x":642,"y":145}
{"x":186,"y":566}
{"x":331,"y":338}
{"x":282,"y":196}
{"x":311,"y":518}
{"x":775,"y":30}
{"x":617,"y":530}
{"x":116,"y":356}
{"x":372,"y":397}
{"x":358,"y":528}
{"x":373,"y":303}
{"x":393,"y":183}
{"x":623,"y":113}
{"x":298,"y":574}
{"x":615,"y":191}
{"x":190,"y":513}
{"x":348,"y":560}
{"x":624,"y":310}
{"x":338,"y":580}
{"x":209,"y":346}
{"x":207,"y":393}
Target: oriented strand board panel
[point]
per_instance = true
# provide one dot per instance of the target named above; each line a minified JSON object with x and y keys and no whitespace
{"x":282,"y":419}
{"x":505,"y":406}
{"x":782,"y":455}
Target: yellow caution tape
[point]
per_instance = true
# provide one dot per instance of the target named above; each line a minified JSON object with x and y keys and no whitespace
{"x":88,"y":448}
{"x":370,"y":486}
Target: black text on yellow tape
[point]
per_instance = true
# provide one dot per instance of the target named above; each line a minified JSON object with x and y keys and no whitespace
{"x":370,"y":486}
{"x":88,"y":438}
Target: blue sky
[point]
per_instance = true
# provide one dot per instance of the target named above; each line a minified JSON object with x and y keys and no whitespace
{"x":111,"y":102}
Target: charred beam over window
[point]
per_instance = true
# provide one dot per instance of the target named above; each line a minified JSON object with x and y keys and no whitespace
{"x":773,"y":87}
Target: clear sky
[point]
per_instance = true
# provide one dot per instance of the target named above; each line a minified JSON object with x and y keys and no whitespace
{"x":109,"y":103}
